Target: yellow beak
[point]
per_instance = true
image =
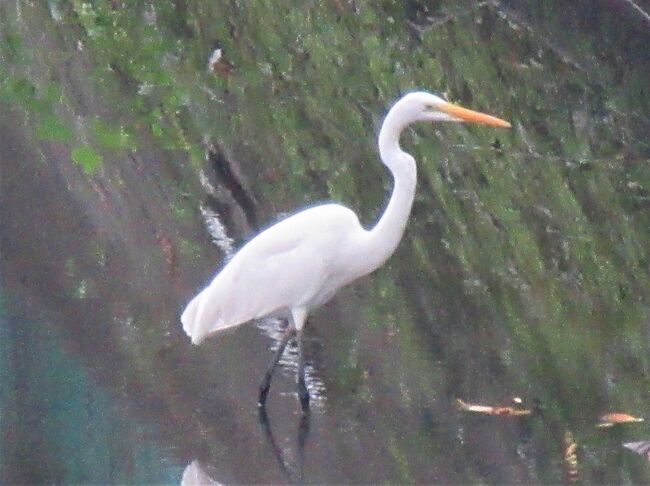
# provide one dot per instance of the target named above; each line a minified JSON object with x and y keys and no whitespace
{"x":466,"y":115}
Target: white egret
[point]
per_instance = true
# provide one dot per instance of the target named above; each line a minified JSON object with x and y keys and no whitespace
{"x":300,"y":262}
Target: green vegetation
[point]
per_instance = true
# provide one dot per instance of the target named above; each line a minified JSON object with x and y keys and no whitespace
{"x":87,"y":158}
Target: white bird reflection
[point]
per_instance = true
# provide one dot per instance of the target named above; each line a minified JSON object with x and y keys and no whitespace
{"x":194,"y":475}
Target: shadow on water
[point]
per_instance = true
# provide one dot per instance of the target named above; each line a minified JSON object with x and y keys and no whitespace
{"x":523,"y":272}
{"x":293,"y":474}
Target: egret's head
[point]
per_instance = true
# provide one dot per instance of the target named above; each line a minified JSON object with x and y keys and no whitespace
{"x":423,"y":106}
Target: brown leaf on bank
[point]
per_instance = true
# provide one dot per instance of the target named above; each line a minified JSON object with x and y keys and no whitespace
{"x":218,"y":64}
{"x":570,"y":457}
{"x":492,"y":410}
{"x":611,"y":419}
{"x":169,"y":251}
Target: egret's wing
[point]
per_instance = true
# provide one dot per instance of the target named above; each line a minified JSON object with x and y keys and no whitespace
{"x":252,"y":287}
{"x":281,"y":268}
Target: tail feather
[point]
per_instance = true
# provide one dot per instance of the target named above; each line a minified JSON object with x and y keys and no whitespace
{"x":189,"y":319}
{"x":204,"y":316}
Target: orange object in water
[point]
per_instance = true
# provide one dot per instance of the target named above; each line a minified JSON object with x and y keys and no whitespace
{"x":611,"y":419}
{"x":492,"y":410}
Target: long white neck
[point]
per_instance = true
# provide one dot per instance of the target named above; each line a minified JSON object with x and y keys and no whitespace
{"x":387,"y":233}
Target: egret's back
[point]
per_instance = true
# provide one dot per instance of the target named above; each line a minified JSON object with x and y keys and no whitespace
{"x":297,"y":263}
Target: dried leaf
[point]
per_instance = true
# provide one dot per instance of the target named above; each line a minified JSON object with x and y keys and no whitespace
{"x":169,"y":252}
{"x":218,"y":63}
{"x":610,"y":419}
{"x":642,"y":448}
{"x":570,"y":457}
{"x":490,"y":410}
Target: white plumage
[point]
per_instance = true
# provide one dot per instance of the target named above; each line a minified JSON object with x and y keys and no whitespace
{"x":300,"y":262}
{"x":323,"y":239}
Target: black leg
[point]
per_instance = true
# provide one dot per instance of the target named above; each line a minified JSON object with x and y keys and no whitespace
{"x":266,"y":381}
{"x":303,"y":393}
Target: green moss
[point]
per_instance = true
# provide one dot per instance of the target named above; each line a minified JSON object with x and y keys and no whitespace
{"x":87,"y":158}
{"x":112,"y":138}
{"x":52,"y":128}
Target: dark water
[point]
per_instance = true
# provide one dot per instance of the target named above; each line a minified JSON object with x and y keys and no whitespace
{"x":61,"y":425}
{"x":524,"y":271}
